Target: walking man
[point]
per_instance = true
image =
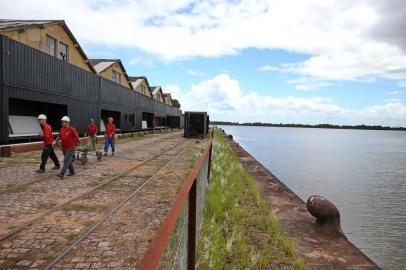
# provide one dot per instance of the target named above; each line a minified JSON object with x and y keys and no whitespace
{"x":48,"y":150}
{"x":109,"y":137}
{"x":91,"y":133}
{"x":68,"y":137}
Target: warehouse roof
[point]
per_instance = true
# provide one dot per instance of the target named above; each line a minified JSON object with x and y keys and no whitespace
{"x":101,"y":64}
{"x":10,"y":25}
{"x":155,"y":89}
{"x":136,"y":80}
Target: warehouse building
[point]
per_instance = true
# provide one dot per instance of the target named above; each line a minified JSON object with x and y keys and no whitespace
{"x":44,"y":70}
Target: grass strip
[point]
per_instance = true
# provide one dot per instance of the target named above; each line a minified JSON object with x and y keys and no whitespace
{"x":239,"y":231}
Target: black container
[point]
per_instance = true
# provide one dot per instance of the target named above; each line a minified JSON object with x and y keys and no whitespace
{"x":196,"y":124}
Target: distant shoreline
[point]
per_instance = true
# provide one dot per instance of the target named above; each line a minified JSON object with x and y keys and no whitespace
{"x":328,"y":126}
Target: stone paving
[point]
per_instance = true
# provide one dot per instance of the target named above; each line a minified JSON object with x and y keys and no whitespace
{"x":121,"y":241}
{"x":36,"y":245}
{"x":34,"y":199}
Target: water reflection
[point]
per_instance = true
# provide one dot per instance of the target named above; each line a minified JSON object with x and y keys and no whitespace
{"x":362,"y":172}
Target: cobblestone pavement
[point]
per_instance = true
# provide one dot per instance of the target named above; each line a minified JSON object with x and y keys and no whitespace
{"x":28,"y":202}
{"x":37,"y":244}
{"x":121,"y":241}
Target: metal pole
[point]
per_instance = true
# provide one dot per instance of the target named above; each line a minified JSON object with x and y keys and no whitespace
{"x":209,"y":169}
{"x":191,"y":251}
{"x":154,"y":115}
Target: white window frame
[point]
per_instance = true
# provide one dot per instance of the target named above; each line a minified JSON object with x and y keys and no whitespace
{"x":67,"y":52}
{"x":115,"y":76}
{"x":55,"y":41}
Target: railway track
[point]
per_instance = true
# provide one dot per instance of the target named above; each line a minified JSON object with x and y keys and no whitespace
{"x":59,"y":206}
{"x":110,"y":213}
{"x":22,"y":206}
{"x":48,"y":175}
{"x":162,"y":160}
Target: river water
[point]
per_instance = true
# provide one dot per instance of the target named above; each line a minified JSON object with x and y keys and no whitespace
{"x":362,"y":172}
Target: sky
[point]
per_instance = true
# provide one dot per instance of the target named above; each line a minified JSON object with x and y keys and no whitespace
{"x":279,"y":61}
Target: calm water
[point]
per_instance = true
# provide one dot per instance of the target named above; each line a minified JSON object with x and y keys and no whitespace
{"x":362,"y":172}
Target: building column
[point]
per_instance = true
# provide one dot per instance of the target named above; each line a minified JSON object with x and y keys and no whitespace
{"x":4,"y":100}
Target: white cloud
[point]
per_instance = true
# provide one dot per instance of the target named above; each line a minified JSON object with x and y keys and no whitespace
{"x":141,"y":61}
{"x":393,"y":93}
{"x":175,"y":91}
{"x":268,"y":68}
{"x":222,"y":97}
{"x":336,"y":34}
{"x":395,"y":100}
{"x":309,"y":83}
{"x":195,"y":72}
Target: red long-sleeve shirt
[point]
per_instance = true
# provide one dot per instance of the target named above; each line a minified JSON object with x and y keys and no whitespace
{"x":68,"y":137}
{"x":110,"y":130}
{"x":92,"y":130}
{"x":47,"y":134}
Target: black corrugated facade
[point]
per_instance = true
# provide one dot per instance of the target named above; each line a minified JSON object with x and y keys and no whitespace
{"x":29,"y":75}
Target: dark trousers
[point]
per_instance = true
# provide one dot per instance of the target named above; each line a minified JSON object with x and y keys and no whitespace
{"x":69,"y":157}
{"x":48,"y":151}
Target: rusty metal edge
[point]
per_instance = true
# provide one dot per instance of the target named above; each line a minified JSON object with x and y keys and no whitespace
{"x":158,"y":245}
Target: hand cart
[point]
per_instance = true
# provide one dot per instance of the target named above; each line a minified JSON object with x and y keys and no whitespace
{"x":82,"y":151}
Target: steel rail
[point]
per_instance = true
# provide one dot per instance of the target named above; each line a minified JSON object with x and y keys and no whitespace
{"x":53,"y":209}
{"x":111,"y":212}
{"x":49,"y":175}
{"x":158,"y":245}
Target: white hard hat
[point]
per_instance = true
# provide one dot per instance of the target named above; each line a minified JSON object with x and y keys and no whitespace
{"x":65,"y":119}
{"x":42,"y":117}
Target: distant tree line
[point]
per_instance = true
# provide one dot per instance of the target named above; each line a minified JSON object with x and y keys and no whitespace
{"x":260,"y":124}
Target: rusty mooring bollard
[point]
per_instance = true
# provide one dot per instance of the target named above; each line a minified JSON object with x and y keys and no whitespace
{"x":326,"y":214}
{"x":230,"y":137}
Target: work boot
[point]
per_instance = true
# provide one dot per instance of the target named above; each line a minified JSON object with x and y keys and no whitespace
{"x":105,"y":154}
{"x":112,"y":154}
{"x":56,"y":168}
{"x":71,"y":174}
{"x":60,"y":175}
{"x":39,"y":171}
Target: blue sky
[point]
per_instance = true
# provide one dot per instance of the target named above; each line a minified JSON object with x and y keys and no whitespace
{"x":252,"y":60}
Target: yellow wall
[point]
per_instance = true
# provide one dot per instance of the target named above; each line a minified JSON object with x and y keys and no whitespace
{"x":145,"y":85}
{"x":108,"y":73}
{"x":35,"y":37}
{"x":168,"y":101}
{"x":158,"y":96}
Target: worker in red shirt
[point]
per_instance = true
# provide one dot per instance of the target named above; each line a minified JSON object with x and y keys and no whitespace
{"x":109,"y":137}
{"x":91,"y":133}
{"x":48,"y":149}
{"x":68,"y":137}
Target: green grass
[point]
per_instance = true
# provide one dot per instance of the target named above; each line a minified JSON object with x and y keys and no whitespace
{"x":15,"y":189}
{"x":19,"y":159}
{"x":239,"y":231}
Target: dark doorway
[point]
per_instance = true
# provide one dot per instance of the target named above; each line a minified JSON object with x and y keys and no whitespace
{"x":106,"y":114}
{"x":149,"y":118}
{"x":173,"y":121}
{"x":160,"y":121}
{"x":54,"y":112}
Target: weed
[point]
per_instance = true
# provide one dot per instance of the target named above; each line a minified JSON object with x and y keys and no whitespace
{"x":15,"y":189}
{"x":239,"y":231}
{"x":164,"y":198}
